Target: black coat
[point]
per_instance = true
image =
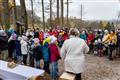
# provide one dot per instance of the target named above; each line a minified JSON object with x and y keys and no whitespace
{"x":3,"y":43}
{"x":36,"y":35}
{"x":37,"y":52}
{"x":118,"y":38}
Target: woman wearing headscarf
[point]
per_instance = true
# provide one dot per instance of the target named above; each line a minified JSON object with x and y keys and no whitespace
{"x":72,"y":52}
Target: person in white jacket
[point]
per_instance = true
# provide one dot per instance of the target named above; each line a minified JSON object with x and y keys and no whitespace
{"x":72,"y":52}
{"x":24,"y":49}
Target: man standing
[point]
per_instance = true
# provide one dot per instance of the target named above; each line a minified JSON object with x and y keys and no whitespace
{"x":72,"y":52}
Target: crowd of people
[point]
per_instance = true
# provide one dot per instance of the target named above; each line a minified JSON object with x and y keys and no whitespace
{"x":103,"y":43}
{"x":33,"y":46}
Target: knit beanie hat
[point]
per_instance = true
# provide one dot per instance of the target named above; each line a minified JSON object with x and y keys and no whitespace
{"x":52,"y":39}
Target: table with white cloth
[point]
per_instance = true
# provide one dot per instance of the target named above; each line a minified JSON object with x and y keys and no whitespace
{"x":20,"y":72}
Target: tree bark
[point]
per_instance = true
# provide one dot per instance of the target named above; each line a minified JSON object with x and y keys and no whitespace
{"x":62,"y":13}
{"x":24,"y":13}
{"x":1,"y":14}
{"x":14,"y":13}
{"x":67,"y":13}
{"x":32,"y":14}
{"x":6,"y":14}
{"x":58,"y":20}
{"x":43,"y":15}
{"x":51,"y":13}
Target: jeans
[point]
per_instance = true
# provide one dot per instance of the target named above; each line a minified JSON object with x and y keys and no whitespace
{"x":19,"y":59}
{"x":37,"y":64}
{"x":111,"y":48}
{"x":15,"y":55}
{"x":31,"y":59}
{"x":46,"y":67}
{"x":54,"y":70}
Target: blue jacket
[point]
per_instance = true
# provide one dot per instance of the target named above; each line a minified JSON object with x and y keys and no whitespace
{"x":18,"y":48}
{"x":46,"y":52}
{"x":83,"y":36}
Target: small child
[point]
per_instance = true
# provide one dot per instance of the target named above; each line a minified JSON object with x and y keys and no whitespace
{"x":18,"y":50}
{"x":46,"y":56}
{"x":37,"y":52}
{"x":60,"y":40}
{"x":95,"y":47}
{"x":12,"y":46}
{"x":30,"y":51}
{"x":55,"y":56}
{"x":24,"y":49}
{"x":100,"y":48}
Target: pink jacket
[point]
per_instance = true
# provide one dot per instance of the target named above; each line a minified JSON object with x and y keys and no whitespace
{"x":54,"y":53}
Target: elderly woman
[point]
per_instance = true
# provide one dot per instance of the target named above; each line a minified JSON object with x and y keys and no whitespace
{"x":72,"y":52}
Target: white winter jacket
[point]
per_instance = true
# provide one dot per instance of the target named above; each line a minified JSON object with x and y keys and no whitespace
{"x":24,"y":49}
{"x":72,"y":52}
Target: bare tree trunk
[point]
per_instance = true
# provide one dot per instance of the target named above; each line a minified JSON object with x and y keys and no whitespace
{"x":14,"y":13}
{"x":1,"y":14}
{"x":58,"y":20}
{"x":67,"y":13}
{"x":6,"y":14}
{"x":32,"y":14}
{"x":51,"y":13}
{"x":62,"y":13}
{"x":24,"y":13}
{"x":43,"y":15}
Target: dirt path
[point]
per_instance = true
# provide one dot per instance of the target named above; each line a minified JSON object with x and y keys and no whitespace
{"x":99,"y":68}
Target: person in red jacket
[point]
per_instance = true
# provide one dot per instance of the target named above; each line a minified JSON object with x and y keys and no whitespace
{"x":55,"y":33}
{"x":50,"y":32}
{"x":41,"y":36}
{"x":90,"y":40}
{"x":65,"y":36}
{"x":54,"y":57}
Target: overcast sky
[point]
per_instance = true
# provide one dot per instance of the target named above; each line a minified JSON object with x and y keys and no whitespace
{"x":96,"y":9}
{"x":92,"y":9}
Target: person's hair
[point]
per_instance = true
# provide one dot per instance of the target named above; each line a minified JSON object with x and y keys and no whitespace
{"x":74,"y":32}
{"x":112,"y":31}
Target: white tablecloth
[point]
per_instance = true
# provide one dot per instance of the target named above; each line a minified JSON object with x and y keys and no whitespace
{"x":20,"y":72}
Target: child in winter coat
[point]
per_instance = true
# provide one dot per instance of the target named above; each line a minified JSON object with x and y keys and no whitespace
{"x":11,"y":45}
{"x":24,"y":49}
{"x":18,"y":49}
{"x":30,"y":51}
{"x":60,"y":40}
{"x":100,"y":47}
{"x":37,"y":52}
{"x":54,"y":57}
{"x":95,"y":47}
{"x":46,"y":56}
